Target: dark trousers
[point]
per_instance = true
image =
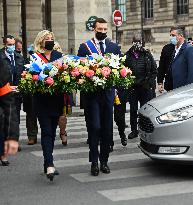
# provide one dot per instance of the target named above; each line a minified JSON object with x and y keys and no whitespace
{"x":99,"y":121}
{"x":48,"y":125}
{"x":1,"y":132}
{"x":9,"y":126}
{"x":119,"y":116}
{"x":141,"y":95}
{"x":18,"y":102}
{"x":31,"y":125}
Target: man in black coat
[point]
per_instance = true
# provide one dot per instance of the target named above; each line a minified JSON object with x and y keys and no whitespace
{"x":164,"y":66}
{"x":99,"y":105}
{"x":144,"y":68}
{"x":14,"y":62}
{"x":9,"y":126}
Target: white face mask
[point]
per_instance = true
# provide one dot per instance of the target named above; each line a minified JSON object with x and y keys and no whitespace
{"x":10,"y":49}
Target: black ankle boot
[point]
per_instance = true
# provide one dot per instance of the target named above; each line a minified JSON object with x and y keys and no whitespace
{"x":94,"y":169}
{"x":123,"y":138}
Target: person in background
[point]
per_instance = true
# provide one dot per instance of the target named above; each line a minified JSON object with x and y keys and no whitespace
{"x":28,"y":105}
{"x":67,"y":110}
{"x":164,"y":67}
{"x":18,"y":45}
{"x":14,"y":62}
{"x":9,"y":125}
{"x":48,"y":107}
{"x":144,"y":68}
{"x":119,"y":113}
{"x":98,"y":106}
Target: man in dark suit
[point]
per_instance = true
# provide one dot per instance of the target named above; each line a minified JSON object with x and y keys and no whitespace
{"x":9,"y":126}
{"x":181,"y":66}
{"x":14,"y":63}
{"x":164,"y":67}
{"x":99,"y":105}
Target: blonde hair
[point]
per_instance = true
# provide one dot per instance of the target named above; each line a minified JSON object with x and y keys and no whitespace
{"x":57,"y":47}
{"x":39,"y":39}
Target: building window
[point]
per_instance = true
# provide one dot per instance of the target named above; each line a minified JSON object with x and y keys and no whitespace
{"x":182,"y":7}
{"x":133,"y":5}
{"x":148,"y":9}
{"x":122,"y":8}
{"x":163,"y":3}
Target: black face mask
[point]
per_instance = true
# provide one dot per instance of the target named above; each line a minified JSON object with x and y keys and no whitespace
{"x":49,"y":45}
{"x":18,"y":51}
{"x":137,"y":46}
{"x":101,"y":36}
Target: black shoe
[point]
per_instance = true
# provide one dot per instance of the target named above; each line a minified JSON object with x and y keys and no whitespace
{"x":133,"y":134}
{"x":104,"y":168}
{"x":123,"y":139}
{"x":94,"y":169}
{"x":5,"y":163}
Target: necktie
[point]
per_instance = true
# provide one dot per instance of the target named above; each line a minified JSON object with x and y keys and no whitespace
{"x":12,"y":63}
{"x":12,"y":69}
{"x":101,"y":47}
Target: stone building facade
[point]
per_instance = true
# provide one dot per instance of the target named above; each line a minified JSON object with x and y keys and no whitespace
{"x":68,"y":19}
{"x":158,"y":16}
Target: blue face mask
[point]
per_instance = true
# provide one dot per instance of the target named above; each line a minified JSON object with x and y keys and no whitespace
{"x":10,"y":49}
{"x":173,"y":40}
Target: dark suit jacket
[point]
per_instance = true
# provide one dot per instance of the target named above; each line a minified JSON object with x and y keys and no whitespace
{"x":182,"y":66}
{"x":164,"y":66}
{"x":19,"y":65}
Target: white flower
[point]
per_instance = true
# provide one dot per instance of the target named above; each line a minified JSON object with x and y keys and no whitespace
{"x":123,"y":58}
{"x":114,"y":64}
{"x":53,"y":71}
{"x":98,"y":81}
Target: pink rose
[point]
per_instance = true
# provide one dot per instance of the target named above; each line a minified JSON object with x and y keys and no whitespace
{"x":105,"y":71}
{"x":35,"y":77}
{"x":49,"y":81}
{"x":89,"y":73}
{"x":123,"y":72}
{"x":75,"y":72}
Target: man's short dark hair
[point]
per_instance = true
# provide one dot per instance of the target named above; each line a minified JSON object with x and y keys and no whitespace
{"x":6,"y":37}
{"x":180,"y":30}
{"x":99,"y":20}
{"x":17,"y":40}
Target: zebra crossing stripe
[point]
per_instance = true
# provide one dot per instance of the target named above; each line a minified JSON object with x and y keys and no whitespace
{"x":81,"y":150}
{"x":115,"y":174}
{"x":113,"y":158}
{"x":142,"y":192}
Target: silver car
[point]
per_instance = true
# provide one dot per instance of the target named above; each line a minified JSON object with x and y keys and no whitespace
{"x":166,"y":126}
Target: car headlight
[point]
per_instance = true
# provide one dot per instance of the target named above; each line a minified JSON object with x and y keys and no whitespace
{"x":176,"y":115}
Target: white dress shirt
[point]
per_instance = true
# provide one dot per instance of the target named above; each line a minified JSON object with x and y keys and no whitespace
{"x":177,"y":50}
